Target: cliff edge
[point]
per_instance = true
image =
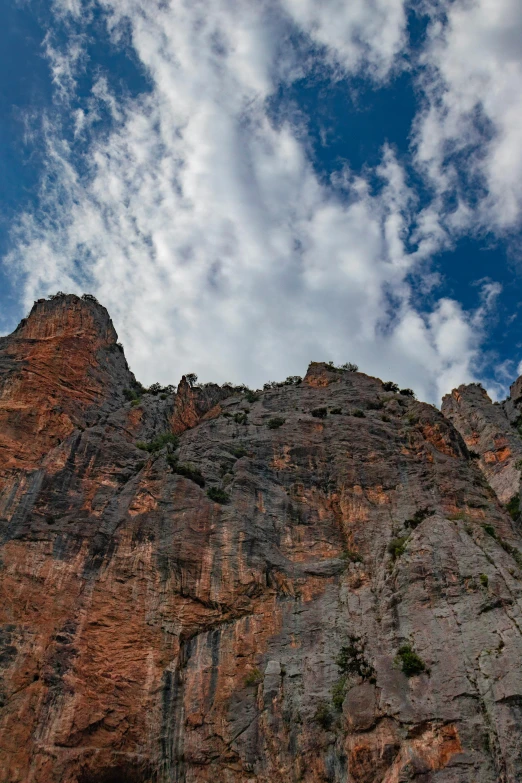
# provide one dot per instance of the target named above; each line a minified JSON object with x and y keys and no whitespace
{"x":312,"y":582}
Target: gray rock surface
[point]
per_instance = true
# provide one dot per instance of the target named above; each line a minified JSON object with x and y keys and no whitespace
{"x":352,"y":613}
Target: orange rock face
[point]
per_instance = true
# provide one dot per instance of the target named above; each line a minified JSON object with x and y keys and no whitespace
{"x":290,"y":593}
{"x":61,"y":367}
{"x":490,"y":432}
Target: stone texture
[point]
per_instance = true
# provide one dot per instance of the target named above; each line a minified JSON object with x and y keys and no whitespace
{"x":489,"y":432}
{"x":149,"y":634}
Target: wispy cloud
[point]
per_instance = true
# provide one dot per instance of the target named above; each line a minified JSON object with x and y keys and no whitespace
{"x":468,"y":133}
{"x":204,"y":228}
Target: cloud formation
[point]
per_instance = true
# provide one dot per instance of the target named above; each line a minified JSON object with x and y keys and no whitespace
{"x":203,"y":226}
{"x":468,"y":133}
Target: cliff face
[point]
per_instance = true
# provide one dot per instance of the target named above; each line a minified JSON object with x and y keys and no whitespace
{"x":345,"y":606}
{"x":491,"y":434}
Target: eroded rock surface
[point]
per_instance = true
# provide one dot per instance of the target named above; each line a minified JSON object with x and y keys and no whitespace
{"x":491,"y":434}
{"x":150,"y":634}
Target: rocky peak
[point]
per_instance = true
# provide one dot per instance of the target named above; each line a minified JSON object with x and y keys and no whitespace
{"x":309,"y":583}
{"x":68,"y":316}
{"x":193,"y":403}
{"x":489,"y":434}
{"x":60,"y":369}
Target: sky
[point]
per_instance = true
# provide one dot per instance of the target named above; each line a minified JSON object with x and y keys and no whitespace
{"x":251,"y":186}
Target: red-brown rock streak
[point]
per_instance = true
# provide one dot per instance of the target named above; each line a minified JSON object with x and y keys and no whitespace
{"x":149,"y":634}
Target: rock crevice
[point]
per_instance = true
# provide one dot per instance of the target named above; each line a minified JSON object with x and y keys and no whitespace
{"x":345,"y":606}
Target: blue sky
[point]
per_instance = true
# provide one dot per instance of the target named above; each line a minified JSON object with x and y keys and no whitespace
{"x":248,"y":187}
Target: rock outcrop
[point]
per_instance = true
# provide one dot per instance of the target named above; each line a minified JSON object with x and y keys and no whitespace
{"x":315,"y":582}
{"x":490,"y":433}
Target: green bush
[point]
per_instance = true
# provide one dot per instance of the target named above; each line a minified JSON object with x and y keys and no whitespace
{"x":490,"y":530}
{"x":336,"y":411}
{"x":513,"y":507}
{"x":339,"y":692}
{"x":375,"y":405}
{"x":511,"y":550}
{"x":410,"y":662}
{"x":352,"y":660}
{"x":350,"y":367}
{"x":323,"y":716}
{"x":385,"y":418}
{"x":251,"y":396}
{"x":159,"y":442}
{"x":239,"y":451}
{"x":484,"y":581}
{"x":155,"y":389}
{"x":320,"y":413}
{"x":390,"y":386}
{"x":359,"y":414}
{"x":275,"y":423}
{"x":253,"y":677}
{"x":190,"y":472}
{"x":352,"y":556}
{"x":130,"y":394}
{"x":397,"y":547}
{"x":135,"y":402}
{"x":218,"y":495}
{"x":419,"y":516}
{"x":407,"y":393}
{"x":241,"y":417}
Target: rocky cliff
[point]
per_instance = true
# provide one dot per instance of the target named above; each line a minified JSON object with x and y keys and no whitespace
{"x":315,"y":582}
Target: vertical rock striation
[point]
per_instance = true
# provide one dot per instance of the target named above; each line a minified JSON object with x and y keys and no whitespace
{"x":314,"y":583}
{"x":490,"y":433}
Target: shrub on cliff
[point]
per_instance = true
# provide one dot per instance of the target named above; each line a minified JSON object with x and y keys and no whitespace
{"x":513,"y":507}
{"x":218,"y":495}
{"x":419,"y":516}
{"x":275,"y":423}
{"x":89,"y":298}
{"x":407,"y":393}
{"x":390,"y":386}
{"x":188,"y":471}
{"x":159,"y":442}
{"x":320,"y":413}
{"x":155,"y":389}
{"x":339,"y":692}
{"x":352,"y":660}
{"x":397,"y":547}
{"x":411,"y":663}
{"x":323,"y":716}
{"x":254,"y":677}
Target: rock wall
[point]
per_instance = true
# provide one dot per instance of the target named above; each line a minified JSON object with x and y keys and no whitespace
{"x":491,"y":434}
{"x":349,"y":611}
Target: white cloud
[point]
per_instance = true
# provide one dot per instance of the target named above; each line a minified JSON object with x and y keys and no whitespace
{"x":470,"y":126}
{"x":369,"y":32}
{"x":204,"y":228}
